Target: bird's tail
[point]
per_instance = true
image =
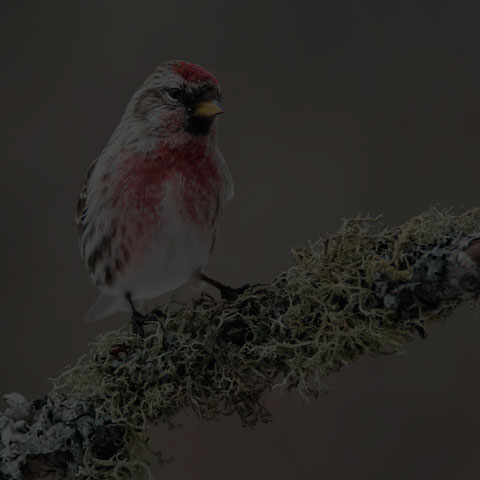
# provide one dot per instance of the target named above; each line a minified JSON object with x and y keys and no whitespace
{"x":104,"y":306}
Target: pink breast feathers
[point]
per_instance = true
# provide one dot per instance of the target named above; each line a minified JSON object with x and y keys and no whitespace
{"x":191,"y":72}
{"x":143,"y":180}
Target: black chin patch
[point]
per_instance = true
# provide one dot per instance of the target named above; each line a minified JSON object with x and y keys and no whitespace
{"x":198,"y":125}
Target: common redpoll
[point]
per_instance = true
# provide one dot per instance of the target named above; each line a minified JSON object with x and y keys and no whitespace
{"x":149,"y":214}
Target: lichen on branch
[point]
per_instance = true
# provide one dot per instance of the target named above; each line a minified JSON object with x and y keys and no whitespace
{"x":366,"y":290}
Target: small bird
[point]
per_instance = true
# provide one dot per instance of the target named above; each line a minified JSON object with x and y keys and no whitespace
{"x":149,"y":214}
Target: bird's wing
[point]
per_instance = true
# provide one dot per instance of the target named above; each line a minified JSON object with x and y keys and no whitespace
{"x":81,"y":214}
{"x":229,"y":186}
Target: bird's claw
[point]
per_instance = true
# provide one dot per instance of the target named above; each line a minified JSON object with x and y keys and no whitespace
{"x":421,"y":331}
{"x":156,"y":314}
{"x":230,"y":293}
{"x":139,"y":320}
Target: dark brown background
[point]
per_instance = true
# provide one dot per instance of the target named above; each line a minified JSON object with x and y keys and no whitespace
{"x":332,"y":110}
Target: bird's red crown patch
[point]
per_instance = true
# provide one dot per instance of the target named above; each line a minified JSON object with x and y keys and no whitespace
{"x":191,"y":72}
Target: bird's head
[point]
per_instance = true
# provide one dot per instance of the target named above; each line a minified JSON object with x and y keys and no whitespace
{"x":179,"y":99}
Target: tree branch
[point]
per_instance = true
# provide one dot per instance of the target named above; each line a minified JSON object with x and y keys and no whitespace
{"x":366,"y":290}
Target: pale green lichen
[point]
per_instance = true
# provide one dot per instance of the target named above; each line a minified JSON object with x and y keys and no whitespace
{"x":366,"y":290}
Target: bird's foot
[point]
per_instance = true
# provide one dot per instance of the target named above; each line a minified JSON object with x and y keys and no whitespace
{"x":156,"y":315}
{"x":230,"y":293}
{"x":138,"y":323}
{"x":226,"y":292}
{"x":204,"y":297}
{"x":139,"y":320}
{"x":421,"y":331}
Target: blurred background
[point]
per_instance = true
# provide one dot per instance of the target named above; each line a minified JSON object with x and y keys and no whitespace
{"x":333,"y":108}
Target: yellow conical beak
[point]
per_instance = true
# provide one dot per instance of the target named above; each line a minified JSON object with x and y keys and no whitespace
{"x":209,"y":108}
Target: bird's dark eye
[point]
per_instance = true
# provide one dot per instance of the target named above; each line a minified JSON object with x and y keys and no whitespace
{"x":173,"y":93}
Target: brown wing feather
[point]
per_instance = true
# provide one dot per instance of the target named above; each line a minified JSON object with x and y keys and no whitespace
{"x":82,"y":201}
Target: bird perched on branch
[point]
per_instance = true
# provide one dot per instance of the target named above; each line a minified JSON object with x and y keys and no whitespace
{"x":149,"y":214}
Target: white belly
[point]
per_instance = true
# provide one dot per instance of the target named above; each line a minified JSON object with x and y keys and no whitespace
{"x":176,"y":249}
{"x":169,"y":263}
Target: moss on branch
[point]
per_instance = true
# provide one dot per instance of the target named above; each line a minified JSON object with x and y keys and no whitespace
{"x":366,"y":290}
